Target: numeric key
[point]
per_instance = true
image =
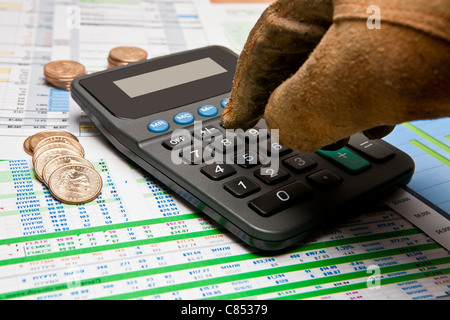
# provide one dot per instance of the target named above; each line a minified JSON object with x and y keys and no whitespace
{"x":218,"y":171}
{"x":299,"y":163}
{"x":254,"y":134}
{"x":270,"y":147}
{"x":194,"y":155}
{"x":248,"y":159}
{"x":277,"y":200}
{"x":241,"y":187}
{"x":271,"y":176}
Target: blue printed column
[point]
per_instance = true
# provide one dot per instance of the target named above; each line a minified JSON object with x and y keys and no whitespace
{"x":20,"y":199}
{"x":58,"y":100}
{"x":58,"y":109}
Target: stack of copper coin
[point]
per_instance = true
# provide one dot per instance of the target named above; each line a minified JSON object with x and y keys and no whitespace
{"x":58,"y":161}
{"x":124,"y":55}
{"x":60,"y":73}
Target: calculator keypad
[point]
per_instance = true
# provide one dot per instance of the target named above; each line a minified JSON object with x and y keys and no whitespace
{"x":213,"y":141}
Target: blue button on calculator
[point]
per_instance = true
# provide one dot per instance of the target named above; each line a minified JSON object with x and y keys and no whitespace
{"x":184,"y":118}
{"x":158,"y":126}
{"x":224,"y":102}
{"x":208,"y":110}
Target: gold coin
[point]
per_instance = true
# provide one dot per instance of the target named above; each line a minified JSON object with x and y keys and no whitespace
{"x":59,"y":139}
{"x":63,"y":69}
{"x":55,"y":145}
{"x":74,"y":184}
{"x":26,"y":146}
{"x":57,"y":162}
{"x":43,"y":158}
{"x":35,"y":139}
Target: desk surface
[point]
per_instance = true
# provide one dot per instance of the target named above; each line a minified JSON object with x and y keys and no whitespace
{"x":137,"y":240}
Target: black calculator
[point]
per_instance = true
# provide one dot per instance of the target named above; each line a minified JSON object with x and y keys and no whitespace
{"x":164,"y":114}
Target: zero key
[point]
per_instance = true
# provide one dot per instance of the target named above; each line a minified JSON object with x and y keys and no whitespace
{"x":281,"y":198}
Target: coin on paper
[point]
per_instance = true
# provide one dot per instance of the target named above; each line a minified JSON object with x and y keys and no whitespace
{"x":124,"y":55}
{"x":36,"y":138}
{"x":59,"y":139}
{"x":74,"y":184}
{"x":63,"y":69}
{"x":60,"y":73}
{"x":51,"y":146}
{"x":58,"y":162}
{"x":43,"y":158}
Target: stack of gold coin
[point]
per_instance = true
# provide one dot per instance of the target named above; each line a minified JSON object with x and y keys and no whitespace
{"x":58,"y":161}
{"x":60,"y":73}
{"x":124,"y":55}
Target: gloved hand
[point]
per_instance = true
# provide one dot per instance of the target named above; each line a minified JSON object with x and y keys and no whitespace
{"x":319,"y":74}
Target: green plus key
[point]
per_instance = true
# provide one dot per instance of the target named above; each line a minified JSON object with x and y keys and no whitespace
{"x":346,"y":159}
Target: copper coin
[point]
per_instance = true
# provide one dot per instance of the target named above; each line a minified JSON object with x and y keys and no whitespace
{"x":57,"y":162}
{"x":74,"y":184}
{"x":126,"y":54}
{"x":63,"y":69}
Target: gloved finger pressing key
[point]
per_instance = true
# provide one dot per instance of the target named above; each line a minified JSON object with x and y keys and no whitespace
{"x":319,"y":74}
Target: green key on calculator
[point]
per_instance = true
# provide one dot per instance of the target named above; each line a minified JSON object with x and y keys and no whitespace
{"x":164,"y":114}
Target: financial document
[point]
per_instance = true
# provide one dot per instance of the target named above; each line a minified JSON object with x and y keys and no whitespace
{"x":138,"y":240}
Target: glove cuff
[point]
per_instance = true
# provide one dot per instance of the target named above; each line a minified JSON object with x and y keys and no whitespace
{"x":430,"y":16}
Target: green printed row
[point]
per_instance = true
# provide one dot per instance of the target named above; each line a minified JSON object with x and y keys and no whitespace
{"x":251,"y":274}
{"x":155,"y":240}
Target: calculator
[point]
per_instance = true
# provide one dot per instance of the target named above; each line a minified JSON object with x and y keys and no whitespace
{"x":164,"y":115}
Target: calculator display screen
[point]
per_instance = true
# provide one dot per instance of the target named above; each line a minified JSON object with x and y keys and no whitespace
{"x":168,"y":77}
{"x":162,"y":84}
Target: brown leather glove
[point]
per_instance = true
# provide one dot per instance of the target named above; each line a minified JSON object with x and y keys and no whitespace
{"x":319,"y":74}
